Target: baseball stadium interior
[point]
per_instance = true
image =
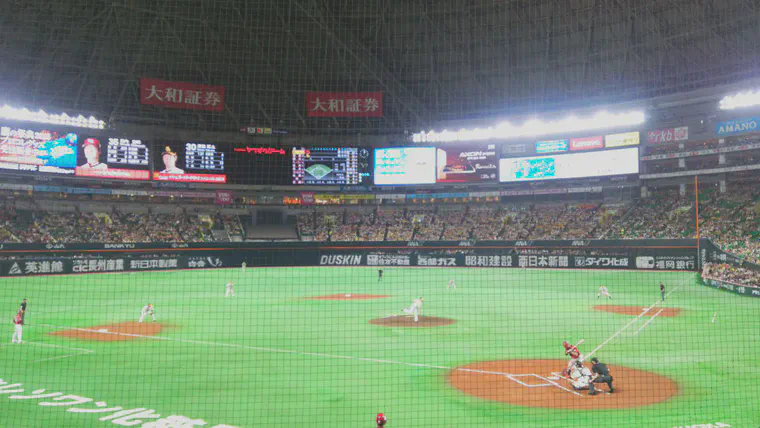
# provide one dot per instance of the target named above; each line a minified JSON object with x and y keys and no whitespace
{"x":380,"y":213}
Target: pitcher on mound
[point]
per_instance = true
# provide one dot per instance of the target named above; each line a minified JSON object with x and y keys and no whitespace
{"x":415,"y":309}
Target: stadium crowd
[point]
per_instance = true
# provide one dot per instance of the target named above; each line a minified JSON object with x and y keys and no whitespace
{"x":730,"y":219}
{"x":731,"y":274}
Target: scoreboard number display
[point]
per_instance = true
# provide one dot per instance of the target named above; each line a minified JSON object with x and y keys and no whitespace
{"x":326,"y":165}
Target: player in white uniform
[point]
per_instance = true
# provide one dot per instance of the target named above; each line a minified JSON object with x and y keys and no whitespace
{"x":452,"y":284}
{"x":580,"y":377}
{"x":415,"y":309}
{"x":243,"y":266}
{"x":230,"y":290}
{"x":147,"y":310}
{"x":604,"y":293}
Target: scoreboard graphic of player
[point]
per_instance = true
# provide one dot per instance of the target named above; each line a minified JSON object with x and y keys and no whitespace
{"x":116,"y":158}
{"x":190,"y":163}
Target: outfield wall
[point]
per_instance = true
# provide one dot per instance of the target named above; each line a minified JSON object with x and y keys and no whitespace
{"x":51,"y":259}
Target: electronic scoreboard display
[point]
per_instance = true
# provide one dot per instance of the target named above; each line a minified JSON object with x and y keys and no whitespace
{"x":344,"y":166}
{"x":189,"y":162}
{"x":113,"y":158}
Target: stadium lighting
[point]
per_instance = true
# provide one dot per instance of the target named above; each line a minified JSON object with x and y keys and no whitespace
{"x":740,"y":100}
{"x":534,"y":127}
{"x":11,"y":113}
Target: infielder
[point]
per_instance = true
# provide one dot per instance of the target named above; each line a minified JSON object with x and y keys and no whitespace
{"x":575,"y":356}
{"x":604,"y":293}
{"x":243,"y":266}
{"x":148,"y":310}
{"x":18,"y":330}
{"x":230,"y":290}
{"x":452,"y":284}
{"x":415,"y":309}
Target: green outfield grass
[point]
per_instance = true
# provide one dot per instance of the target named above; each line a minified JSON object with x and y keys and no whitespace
{"x":268,"y":358}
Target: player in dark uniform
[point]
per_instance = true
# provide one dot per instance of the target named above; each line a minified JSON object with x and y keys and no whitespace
{"x":662,"y":291}
{"x":601,"y":375}
{"x":379,"y":275}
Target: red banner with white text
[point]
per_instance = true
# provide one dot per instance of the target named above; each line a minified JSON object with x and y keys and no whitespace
{"x":344,"y":104}
{"x":181,"y":95}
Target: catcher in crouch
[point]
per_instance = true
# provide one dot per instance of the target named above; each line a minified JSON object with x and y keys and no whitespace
{"x":580,"y":378}
{"x":574,"y":353}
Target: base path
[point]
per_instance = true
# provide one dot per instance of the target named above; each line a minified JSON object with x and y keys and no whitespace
{"x":531,"y":383}
{"x":114,"y":332}
{"x":408,"y":321}
{"x":636,"y":311}
{"x":349,"y":297}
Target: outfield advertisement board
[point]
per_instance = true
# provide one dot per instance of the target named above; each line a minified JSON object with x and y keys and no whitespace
{"x":135,"y":262}
{"x":744,"y":290}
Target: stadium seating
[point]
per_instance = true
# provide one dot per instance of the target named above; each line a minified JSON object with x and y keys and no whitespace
{"x":730,"y":219}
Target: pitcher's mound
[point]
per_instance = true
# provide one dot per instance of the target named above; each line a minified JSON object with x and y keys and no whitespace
{"x":637,"y":310}
{"x":407,"y":321}
{"x":349,"y":296}
{"x":532,"y":384}
{"x":113,"y":332}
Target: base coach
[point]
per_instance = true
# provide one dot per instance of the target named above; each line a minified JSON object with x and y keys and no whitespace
{"x":601,"y":374}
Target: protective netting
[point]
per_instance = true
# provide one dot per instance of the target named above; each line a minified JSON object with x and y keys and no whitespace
{"x":432,"y":60}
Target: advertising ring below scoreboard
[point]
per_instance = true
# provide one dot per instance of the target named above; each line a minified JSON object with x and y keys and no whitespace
{"x":552,"y":146}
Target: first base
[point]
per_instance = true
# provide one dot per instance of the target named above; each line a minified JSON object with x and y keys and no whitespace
{"x":103,"y":330}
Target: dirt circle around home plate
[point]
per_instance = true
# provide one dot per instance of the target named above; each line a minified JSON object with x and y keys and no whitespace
{"x":114,"y":332}
{"x":637,"y":310}
{"x":533,"y":383}
{"x":408,"y":321}
{"x":349,"y":296}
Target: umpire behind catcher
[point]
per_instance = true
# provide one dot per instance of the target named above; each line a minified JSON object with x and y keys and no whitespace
{"x":601,"y":375}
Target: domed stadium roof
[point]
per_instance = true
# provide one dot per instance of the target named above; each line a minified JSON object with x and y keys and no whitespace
{"x":433,"y":60}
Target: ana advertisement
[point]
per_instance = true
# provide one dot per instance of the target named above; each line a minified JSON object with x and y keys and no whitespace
{"x":189,"y":163}
{"x":738,"y":126}
{"x":553,"y":146}
{"x":472,"y":164}
{"x":344,"y":104}
{"x":35,"y":150}
{"x":181,"y":95}
{"x":622,"y":140}
{"x":587,"y":143}
{"x":573,"y":165}
{"x":405,"y":165}
{"x":114,"y":158}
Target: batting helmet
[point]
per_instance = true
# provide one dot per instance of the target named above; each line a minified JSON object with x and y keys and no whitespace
{"x":381,"y":419}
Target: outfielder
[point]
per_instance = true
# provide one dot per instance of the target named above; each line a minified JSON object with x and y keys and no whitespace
{"x":574,"y":353}
{"x":452,"y":284}
{"x":18,"y":322}
{"x":230,"y":290}
{"x":147,"y":310}
{"x":604,"y":293}
{"x":243,"y":265}
{"x":415,"y":309}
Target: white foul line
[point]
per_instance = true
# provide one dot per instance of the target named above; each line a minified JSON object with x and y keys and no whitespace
{"x":49,"y":345}
{"x":648,"y":321}
{"x":288,"y":351}
{"x":644,"y":312}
